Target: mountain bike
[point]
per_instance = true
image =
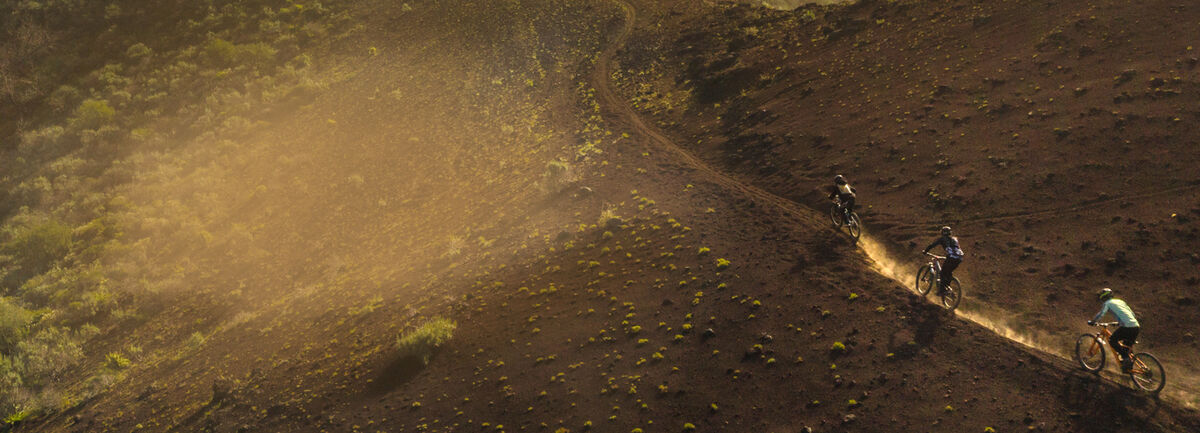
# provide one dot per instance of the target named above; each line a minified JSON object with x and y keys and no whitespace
{"x":1146,"y":372}
{"x":840,"y":216}
{"x":930,"y":276}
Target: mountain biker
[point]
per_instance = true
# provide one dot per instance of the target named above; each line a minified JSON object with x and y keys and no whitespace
{"x":1127,"y":334}
{"x":954,"y":256}
{"x":845,"y":195}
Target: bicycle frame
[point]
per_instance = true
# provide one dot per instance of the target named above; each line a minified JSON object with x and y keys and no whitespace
{"x":935,"y":262}
{"x":841,"y":206}
{"x":1103,"y":335}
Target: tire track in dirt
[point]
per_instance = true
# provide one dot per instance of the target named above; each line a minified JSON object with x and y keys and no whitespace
{"x":602,"y":81}
{"x":884,"y":265}
{"x":1092,"y":204}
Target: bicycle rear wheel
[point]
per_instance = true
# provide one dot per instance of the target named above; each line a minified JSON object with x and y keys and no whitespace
{"x":925,"y":280}
{"x":953,"y":295}
{"x":835,"y":215}
{"x":1147,"y":373}
{"x":1089,"y":351}
{"x":855,"y":226}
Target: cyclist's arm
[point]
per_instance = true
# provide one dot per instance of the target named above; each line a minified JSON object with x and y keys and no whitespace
{"x":934,"y":244}
{"x":1103,"y":311}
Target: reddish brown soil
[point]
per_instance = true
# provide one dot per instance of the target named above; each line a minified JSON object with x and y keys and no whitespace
{"x":1053,"y":136}
{"x":547,"y":311}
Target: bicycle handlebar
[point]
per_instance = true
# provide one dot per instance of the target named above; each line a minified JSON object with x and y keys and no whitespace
{"x":934,"y":255}
{"x":1106,"y":323}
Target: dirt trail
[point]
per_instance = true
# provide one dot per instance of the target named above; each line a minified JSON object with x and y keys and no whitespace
{"x":1181,"y":388}
{"x":602,"y":80}
{"x":1060,"y":210}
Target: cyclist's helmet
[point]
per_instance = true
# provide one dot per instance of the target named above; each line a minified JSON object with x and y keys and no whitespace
{"x":1105,"y":294}
{"x":946,"y":231}
{"x":839,"y":179}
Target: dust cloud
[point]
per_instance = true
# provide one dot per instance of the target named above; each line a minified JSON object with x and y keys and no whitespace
{"x":1182,"y":387}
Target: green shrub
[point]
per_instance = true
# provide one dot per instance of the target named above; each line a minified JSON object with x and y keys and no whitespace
{"x":93,"y":114}
{"x":424,"y":341}
{"x":196,"y":340}
{"x":18,"y":416}
{"x":62,"y":286}
{"x":63,"y":98}
{"x":227,"y":54}
{"x":47,"y":355}
{"x":609,"y":218}
{"x":116,"y":361}
{"x":137,"y":50}
{"x":40,"y":142}
{"x":13,"y":323}
{"x":557,"y":177}
{"x":258,"y":55}
{"x":35,"y":247}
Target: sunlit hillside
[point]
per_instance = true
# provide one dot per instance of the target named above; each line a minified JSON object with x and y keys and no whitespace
{"x":468,"y":215}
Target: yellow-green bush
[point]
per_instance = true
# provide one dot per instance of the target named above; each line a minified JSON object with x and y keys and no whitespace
{"x":33,"y":248}
{"x":93,"y":114}
{"x":424,"y":341}
{"x":13,"y":323}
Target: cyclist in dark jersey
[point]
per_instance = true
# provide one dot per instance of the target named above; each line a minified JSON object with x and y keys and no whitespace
{"x":845,"y":195}
{"x":954,"y":256}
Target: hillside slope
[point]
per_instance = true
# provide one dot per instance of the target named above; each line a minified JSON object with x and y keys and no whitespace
{"x":625,"y":285}
{"x":1053,"y":137}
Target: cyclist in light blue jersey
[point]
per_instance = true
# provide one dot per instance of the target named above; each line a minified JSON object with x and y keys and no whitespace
{"x":1127,"y":333}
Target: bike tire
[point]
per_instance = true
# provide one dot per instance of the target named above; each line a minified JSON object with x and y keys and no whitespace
{"x":953,"y":295}
{"x":925,"y":281}
{"x":1147,"y":373}
{"x":1089,"y":351}
{"x":855,"y":226}
{"x":835,"y":216}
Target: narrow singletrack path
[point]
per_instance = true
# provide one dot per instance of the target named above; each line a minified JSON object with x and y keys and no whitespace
{"x":1056,"y":211}
{"x":623,"y":115}
{"x":612,"y":102}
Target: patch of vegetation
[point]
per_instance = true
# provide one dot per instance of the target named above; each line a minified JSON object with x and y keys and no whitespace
{"x":424,"y":341}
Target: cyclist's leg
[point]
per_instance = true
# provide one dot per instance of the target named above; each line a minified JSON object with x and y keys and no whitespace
{"x":948,"y":270}
{"x":1126,"y":337}
{"x":1121,"y":340}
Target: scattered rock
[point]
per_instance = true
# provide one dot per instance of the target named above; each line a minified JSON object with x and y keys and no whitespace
{"x":221,"y":390}
{"x":1125,"y":76}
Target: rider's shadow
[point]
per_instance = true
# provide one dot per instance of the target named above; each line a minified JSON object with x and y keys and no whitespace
{"x":906,"y":342}
{"x":1096,"y":403}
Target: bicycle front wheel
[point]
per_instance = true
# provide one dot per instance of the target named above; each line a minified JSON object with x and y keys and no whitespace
{"x":953,"y":294}
{"x":1147,"y":373}
{"x":1089,"y":351}
{"x":835,"y":215}
{"x":855,"y":226}
{"x":925,"y":280}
